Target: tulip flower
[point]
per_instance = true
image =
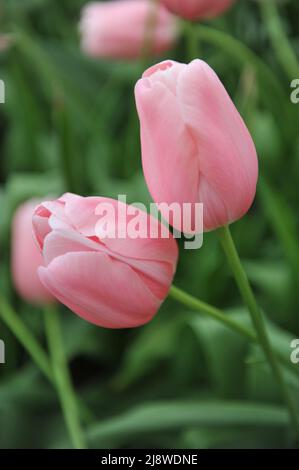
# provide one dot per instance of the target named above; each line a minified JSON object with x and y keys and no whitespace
{"x":5,"y":42}
{"x":196,"y":9}
{"x":195,"y":145}
{"x":118,"y":29}
{"x":26,"y":257}
{"x":111,"y":280}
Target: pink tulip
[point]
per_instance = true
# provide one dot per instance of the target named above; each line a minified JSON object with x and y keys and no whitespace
{"x":5,"y":42}
{"x":118,"y":29}
{"x":112,"y":282}
{"x":26,"y":257}
{"x":195,"y":145}
{"x":195,"y":9}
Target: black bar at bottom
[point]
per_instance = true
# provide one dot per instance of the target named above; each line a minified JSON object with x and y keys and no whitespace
{"x":148,"y":459}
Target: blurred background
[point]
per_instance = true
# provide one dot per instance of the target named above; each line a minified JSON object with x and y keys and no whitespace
{"x":69,"y":123}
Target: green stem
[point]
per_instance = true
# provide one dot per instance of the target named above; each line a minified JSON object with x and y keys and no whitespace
{"x":279,"y":39}
{"x":192,"y":40}
{"x":62,"y":126}
{"x":25,"y":337}
{"x":62,"y":377}
{"x":33,"y":348}
{"x":213,"y":312}
{"x":257,"y":320}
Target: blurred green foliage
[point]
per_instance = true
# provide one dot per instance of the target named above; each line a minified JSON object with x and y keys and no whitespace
{"x":183,"y":380}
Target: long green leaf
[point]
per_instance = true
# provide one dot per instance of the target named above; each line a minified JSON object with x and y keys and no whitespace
{"x":172,"y":416}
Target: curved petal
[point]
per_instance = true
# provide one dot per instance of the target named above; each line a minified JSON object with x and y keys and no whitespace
{"x":217,"y":7}
{"x":151,"y":249}
{"x":157,"y":275}
{"x":60,"y":242}
{"x":101,"y":290}
{"x":226,"y":154}
{"x":169,"y":154}
{"x":196,"y":9}
{"x":49,"y":215}
{"x":151,"y":246}
{"x":41,"y":228}
{"x":81,"y":212}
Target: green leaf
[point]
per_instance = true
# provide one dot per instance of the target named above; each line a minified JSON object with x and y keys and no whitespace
{"x":221,"y":347}
{"x":155,"y":343}
{"x":283,"y":222}
{"x":173,"y":416}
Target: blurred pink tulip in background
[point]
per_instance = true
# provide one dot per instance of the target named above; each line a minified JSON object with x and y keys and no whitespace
{"x":196,"y":9}
{"x":26,"y":257}
{"x":119,"y":29}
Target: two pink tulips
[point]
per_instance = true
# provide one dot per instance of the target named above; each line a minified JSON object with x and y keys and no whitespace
{"x":195,"y":148}
{"x":119,"y":29}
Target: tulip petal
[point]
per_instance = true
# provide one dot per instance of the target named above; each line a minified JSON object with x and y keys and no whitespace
{"x":117,"y":29}
{"x":225,"y":150}
{"x":168,"y":152}
{"x":164,"y":250}
{"x":60,"y":242}
{"x":81,"y":212}
{"x":156,"y":274}
{"x":41,"y":228}
{"x":95,"y":287}
{"x":151,"y":246}
{"x":196,"y":9}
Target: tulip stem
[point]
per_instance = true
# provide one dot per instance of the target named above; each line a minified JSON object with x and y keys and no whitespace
{"x":62,"y":377}
{"x":213,"y":312}
{"x":245,"y":289}
{"x":192,"y":40}
{"x":33,"y":348}
{"x":26,"y":338}
{"x":66,"y":152}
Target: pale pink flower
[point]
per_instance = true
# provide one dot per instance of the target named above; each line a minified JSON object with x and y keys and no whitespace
{"x":26,"y":257}
{"x":196,"y":9}
{"x":118,"y":29}
{"x":195,"y":145}
{"x":113,"y":282}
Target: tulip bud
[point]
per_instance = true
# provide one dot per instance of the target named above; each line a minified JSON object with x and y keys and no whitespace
{"x":112,"y":281}
{"x":118,"y":29}
{"x":26,"y":257}
{"x":196,"y":9}
{"x":195,"y":145}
